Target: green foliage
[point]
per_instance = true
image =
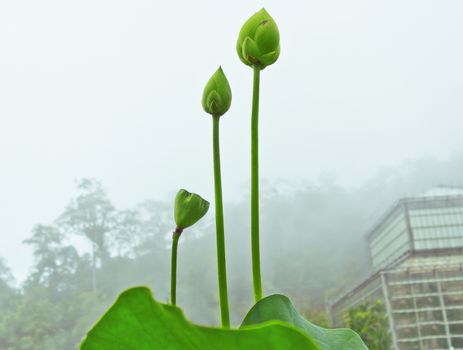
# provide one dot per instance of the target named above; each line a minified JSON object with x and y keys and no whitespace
{"x":38,"y":320}
{"x":217,"y":95}
{"x":57,"y":304}
{"x":54,"y":262}
{"x":369,"y":320}
{"x":189,"y":208}
{"x":279,"y":307}
{"x":318,"y":317}
{"x":136,"y":321}
{"x":258,"y":42}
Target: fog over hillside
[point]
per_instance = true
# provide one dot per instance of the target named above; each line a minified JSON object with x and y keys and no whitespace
{"x":312,"y":248}
{"x":312,"y":240}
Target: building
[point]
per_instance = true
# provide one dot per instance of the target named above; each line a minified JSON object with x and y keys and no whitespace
{"x":416,"y":254}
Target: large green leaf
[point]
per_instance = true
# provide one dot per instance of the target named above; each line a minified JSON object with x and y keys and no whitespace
{"x":279,"y":307}
{"x":137,"y":322}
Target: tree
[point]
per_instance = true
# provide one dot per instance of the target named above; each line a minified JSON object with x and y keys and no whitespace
{"x":54,"y":261}
{"x":6,"y":280}
{"x":90,"y":214}
{"x":156,"y":219}
{"x":317,"y":316}
{"x":369,"y":320}
{"x":128,"y":232}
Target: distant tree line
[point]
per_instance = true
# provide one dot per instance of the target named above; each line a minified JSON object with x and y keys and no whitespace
{"x":312,"y":246}
{"x":67,"y":290}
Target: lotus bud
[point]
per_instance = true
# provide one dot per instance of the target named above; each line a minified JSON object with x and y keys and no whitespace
{"x":217,"y":94}
{"x":259,"y":41}
{"x":189,"y":208}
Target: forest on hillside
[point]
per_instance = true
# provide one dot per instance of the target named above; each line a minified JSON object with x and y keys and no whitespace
{"x":312,"y":248}
{"x":70,"y":284}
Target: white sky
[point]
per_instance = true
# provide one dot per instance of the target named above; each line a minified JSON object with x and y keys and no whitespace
{"x":111,"y":89}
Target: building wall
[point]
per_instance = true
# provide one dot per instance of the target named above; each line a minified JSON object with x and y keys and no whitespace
{"x":437,"y":223}
{"x":423,"y":296}
{"x":417,"y":256}
{"x":426,"y":305}
{"x":390,"y":239}
{"x":416,"y":224}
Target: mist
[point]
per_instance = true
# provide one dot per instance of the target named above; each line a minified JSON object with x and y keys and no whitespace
{"x":101,"y":123}
{"x":312,"y":246}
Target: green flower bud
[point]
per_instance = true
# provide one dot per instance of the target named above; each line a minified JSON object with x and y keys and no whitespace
{"x":217,"y":94}
{"x":259,"y":41}
{"x":189,"y":208}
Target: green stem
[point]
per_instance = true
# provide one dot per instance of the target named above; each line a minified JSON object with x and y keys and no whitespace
{"x":173,"y":265}
{"x":221,"y":263}
{"x":257,"y":279}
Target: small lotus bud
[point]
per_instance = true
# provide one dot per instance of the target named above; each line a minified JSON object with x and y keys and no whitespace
{"x":217,"y":94}
{"x":259,"y":41}
{"x":189,"y":208}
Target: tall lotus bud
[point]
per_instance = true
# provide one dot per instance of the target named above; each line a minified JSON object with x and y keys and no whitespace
{"x":217,"y":94}
{"x":259,"y":41}
{"x":189,"y":208}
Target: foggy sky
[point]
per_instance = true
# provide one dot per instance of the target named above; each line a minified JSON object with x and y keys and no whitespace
{"x":111,"y":89}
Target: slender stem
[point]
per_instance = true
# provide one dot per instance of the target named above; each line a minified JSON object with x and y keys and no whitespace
{"x":173,"y":265}
{"x":221,"y":263}
{"x":257,"y":280}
